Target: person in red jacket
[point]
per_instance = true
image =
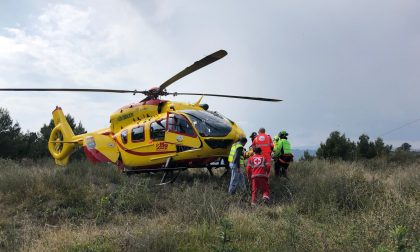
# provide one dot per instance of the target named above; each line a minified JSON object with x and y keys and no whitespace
{"x":264,"y":142}
{"x":257,"y":171}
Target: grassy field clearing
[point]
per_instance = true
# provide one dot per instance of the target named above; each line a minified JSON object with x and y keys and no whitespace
{"x":332,"y":206}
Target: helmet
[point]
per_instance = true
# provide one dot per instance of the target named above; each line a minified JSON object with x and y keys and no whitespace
{"x":243,"y":140}
{"x":283,"y":133}
{"x":253,"y":134}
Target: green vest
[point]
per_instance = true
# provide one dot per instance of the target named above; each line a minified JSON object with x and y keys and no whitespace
{"x":287,"y":149}
{"x":282,"y":144}
{"x":233,"y":151}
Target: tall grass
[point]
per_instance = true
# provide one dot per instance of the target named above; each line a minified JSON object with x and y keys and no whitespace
{"x":372,"y":205}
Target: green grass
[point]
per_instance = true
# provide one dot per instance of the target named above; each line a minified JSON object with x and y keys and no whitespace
{"x":332,"y":206}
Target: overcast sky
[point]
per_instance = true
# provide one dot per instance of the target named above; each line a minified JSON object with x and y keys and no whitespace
{"x":352,"y":66}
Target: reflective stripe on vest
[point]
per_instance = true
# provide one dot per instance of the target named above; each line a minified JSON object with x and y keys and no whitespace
{"x":259,"y":176}
{"x":233,"y":151}
{"x":261,"y":145}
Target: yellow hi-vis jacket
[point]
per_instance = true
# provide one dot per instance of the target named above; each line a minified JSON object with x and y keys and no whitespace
{"x":232,"y":153}
{"x":276,"y":140}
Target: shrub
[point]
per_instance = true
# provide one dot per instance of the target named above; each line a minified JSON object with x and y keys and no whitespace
{"x":225,"y":233}
{"x":337,"y":146}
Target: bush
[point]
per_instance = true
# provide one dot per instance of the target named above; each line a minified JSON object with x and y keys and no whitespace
{"x":337,"y":146}
{"x":403,"y":157}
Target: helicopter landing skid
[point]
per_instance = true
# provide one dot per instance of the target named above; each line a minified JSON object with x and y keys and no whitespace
{"x":170,"y":174}
{"x":222,"y":162}
{"x":167,"y":171}
{"x":169,"y":177}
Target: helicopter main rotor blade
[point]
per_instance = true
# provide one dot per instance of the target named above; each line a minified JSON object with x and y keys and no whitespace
{"x":194,"y":67}
{"x":97,"y":90}
{"x":230,"y":96}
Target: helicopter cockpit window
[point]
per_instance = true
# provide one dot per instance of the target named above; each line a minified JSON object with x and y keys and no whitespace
{"x":157,"y":130}
{"x":179,"y":124}
{"x":137,"y":134}
{"x":124,"y":135}
{"x":209,"y":124}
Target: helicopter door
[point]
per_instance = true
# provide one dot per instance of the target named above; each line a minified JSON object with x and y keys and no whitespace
{"x":180,"y":131}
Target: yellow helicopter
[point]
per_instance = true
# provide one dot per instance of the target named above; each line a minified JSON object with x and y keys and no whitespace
{"x":153,"y":134}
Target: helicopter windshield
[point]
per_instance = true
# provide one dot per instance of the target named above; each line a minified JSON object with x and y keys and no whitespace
{"x":209,"y":124}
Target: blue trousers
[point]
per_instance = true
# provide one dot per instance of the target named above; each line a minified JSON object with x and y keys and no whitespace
{"x":237,"y":178}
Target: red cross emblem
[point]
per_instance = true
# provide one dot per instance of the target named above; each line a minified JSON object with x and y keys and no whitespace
{"x":258,"y":161}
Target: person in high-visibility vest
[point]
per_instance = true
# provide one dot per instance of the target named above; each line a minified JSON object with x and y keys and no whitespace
{"x":282,"y":155}
{"x":236,"y":161}
{"x":276,"y":139}
{"x":258,"y":170}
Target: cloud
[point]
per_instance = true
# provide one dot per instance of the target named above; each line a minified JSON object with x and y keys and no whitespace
{"x":78,"y":46}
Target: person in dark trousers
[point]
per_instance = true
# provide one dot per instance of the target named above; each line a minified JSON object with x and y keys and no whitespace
{"x":236,"y":161}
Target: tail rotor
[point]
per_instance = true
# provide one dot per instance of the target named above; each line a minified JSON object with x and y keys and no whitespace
{"x":62,"y":140}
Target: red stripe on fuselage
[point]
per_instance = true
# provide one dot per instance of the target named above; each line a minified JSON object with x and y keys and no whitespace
{"x":143,"y":153}
{"x":189,"y":163}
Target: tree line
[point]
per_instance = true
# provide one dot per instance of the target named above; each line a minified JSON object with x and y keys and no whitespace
{"x":338,"y":146}
{"x":16,"y":144}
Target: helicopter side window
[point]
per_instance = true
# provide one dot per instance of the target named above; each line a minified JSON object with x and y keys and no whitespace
{"x":179,"y":124}
{"x":124,"y":135}
{"x":157,"y":130}
{"x":137,"y":134}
